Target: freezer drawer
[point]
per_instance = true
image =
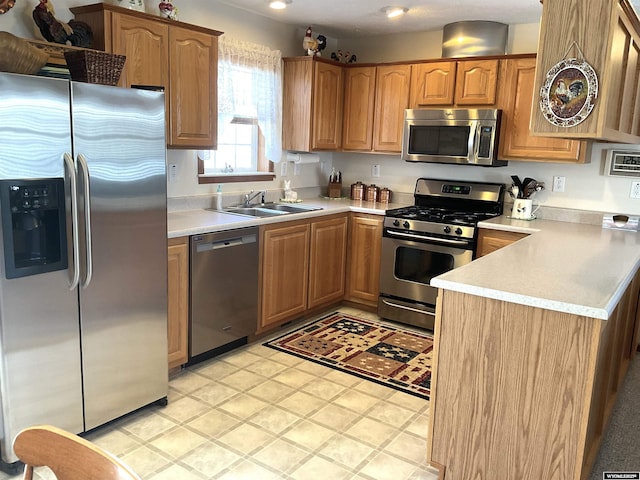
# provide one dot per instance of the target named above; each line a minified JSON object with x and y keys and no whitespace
{"x":224,"y":289}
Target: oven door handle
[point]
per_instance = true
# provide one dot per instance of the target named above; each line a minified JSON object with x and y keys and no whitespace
{"x":413,"y":236}
{"x":404,"y":307}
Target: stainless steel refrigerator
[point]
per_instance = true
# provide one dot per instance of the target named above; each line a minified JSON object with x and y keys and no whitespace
{"x":83,"y":264}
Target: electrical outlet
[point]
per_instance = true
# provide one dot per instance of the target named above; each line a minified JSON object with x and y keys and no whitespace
{"x":635,"y":190}
{"x":558,"y":184}
{"x":283,"y":169}
{"x":173,"y":172}
{"x":375,"y":170}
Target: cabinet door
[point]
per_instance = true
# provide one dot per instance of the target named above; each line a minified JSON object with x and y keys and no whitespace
{"x":178,"y":302}
{"x":392,"y":98}
{"x":328,"y":258}
{"x":363,"y":267}
{"x":327,"y":107}
{"x":285,"y":267}
{"x":476,"y":82}
{"x":146,"y":45}
{"x":432,"y":83}
{"x":193,"y":90}
{"x":516,"y":86}
{"x":359,"y":97}
{"x":492,"y":240}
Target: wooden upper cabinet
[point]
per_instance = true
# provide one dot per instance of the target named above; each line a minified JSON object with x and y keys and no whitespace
{"x":312,"y":104}
{"x":432,"y":84}
{"x":476,"y":82}
{"x":180,"y":57}
{"x":146,"y":46}
{"x":327,"y":107}
{"x":193,"y":87}
{"x":359,"y":101}
{"x":609,"y":40}
{"x":392,"y":98}
{"x":517,"y":97}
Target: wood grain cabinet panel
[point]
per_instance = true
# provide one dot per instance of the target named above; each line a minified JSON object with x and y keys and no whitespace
{"x":178,"y":301}
{"x":363,"y":270}
{"x":392,"y":98}
{"x":327,"y":262}
{"x":180,"y":57}
{"x":359,"y":101}
{"x":516,"y":101}
{"x":312,"y":104}
{"x":492,"y":240}
{"x":285,"y":269}
{"x":432,"y":83}
{"x":609,"y":40}
{"x":476,"y":82}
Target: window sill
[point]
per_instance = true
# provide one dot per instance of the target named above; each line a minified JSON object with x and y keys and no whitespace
{"x":236,"y":177}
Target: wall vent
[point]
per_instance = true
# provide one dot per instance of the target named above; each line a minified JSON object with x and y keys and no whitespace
{"x":623,"y":163}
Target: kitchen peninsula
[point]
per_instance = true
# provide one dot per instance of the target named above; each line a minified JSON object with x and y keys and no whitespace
{"x":532,"y":344}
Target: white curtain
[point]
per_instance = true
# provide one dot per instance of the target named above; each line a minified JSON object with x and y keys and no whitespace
{"x":250,"y":85}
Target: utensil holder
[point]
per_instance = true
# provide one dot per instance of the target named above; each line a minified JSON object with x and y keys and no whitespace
{"x":334,"y":190}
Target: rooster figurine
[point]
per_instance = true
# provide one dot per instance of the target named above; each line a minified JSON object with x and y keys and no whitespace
{"x":308,"y":42}
{"x":53,"y":30}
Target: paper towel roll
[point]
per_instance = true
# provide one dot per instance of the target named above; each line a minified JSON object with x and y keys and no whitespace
{"x":303,"y":157}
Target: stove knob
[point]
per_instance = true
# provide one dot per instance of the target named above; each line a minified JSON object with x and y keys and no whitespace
{"x":406,"y":224}
{"x":396,"y":223}
{"x":458,"y":231}
{"x":447,"y":229}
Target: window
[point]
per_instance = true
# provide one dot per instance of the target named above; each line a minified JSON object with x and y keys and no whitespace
{"x":249,"y":114}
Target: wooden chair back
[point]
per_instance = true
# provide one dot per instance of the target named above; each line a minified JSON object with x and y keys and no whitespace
{"x":69,"y":456}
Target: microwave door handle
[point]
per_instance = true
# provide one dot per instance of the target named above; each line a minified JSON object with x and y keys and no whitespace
{"x":472,"y":146}
{"x":71,"y":170}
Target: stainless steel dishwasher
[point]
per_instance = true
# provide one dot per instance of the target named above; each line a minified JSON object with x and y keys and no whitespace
{"x":224,"y":291}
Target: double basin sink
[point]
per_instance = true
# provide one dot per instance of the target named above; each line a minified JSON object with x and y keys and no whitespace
{"x":268,"y":209}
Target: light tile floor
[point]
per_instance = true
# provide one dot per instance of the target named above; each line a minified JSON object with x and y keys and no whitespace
{"x":256,"y":413}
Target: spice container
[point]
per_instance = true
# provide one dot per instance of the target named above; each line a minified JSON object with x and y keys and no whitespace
{"x":357,"y":191}
{"x":384,"y":196}
{"x":372,"y":193}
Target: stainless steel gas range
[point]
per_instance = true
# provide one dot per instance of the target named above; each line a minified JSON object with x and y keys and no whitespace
{"x":436,"y":234}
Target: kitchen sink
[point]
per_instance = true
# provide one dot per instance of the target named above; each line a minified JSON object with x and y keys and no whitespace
{"x":269,"y":209}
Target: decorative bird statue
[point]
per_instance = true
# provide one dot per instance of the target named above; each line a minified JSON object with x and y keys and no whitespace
{"x":53,"y":30}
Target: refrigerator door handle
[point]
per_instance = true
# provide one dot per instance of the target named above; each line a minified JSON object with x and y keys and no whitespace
{"x":84,"y":170}
{"x":71,"y":169}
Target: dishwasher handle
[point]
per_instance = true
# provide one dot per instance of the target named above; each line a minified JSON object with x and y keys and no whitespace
{"x":226,"y":243}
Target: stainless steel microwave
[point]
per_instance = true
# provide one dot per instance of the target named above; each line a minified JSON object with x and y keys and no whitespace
{"x":457,"y":135}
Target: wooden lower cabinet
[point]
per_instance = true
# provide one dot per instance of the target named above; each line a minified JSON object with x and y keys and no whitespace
{"x":363,"y":271}
{"x":491,"y":240}
{"x":178,"y":301}
{"x":302,"y":267}
{"x":327,"y":261}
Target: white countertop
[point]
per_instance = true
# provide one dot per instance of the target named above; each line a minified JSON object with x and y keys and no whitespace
{"x":567,"y":267}
{"x":194,"y":222}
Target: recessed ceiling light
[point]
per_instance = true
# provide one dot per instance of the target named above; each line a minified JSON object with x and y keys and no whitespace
{"x":393,"y":12}
{"x":279,"y":4}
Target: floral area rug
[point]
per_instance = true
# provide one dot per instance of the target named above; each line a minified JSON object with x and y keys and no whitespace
{"x":388,"y":355}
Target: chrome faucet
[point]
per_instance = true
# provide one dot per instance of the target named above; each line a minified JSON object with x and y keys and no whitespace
{"x":251,"y":195}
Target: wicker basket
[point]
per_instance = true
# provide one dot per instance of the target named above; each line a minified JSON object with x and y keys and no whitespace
{"x":94,"y":66}
{"x":19,"y":56}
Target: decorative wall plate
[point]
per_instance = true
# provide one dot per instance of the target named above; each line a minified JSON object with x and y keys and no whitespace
{"x":568,"y":94}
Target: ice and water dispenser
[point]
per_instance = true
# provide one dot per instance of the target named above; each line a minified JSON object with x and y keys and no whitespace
{"x":33,"y":226}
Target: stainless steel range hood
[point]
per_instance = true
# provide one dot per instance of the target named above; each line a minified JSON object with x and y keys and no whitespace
{"x":474,"y":38}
